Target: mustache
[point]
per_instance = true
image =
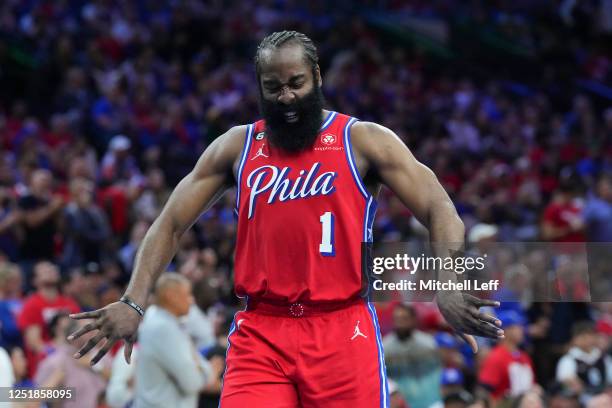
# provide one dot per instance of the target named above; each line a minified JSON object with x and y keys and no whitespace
{"x":301,"y":134}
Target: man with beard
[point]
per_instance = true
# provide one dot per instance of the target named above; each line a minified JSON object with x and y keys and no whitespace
{"x":309,"y":336}
{"x":412,"y":359}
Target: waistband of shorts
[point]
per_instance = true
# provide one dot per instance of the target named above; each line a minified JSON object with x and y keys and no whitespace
{"x":299,"y":309}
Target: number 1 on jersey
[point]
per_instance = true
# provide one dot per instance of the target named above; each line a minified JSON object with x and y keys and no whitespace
{"x":326,"y":247}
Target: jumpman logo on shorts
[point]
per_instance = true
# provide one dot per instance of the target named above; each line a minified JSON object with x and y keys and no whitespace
{"x":358,"y":332}
{"x":260,"y":153}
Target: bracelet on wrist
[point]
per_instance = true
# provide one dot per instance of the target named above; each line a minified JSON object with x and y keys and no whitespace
{"x":132,"y":304}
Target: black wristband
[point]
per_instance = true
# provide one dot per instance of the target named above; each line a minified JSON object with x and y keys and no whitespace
{"x":132,"y":304}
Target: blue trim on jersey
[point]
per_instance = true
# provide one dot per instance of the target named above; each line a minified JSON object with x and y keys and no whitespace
{"x":328,"y":121}
{"x":367,"y":235}
{"x":229,"y":344}
{"x":351,"y":160}
{"x":245,"y":152}
{"x":382,"y":373}
{"x":232,"y":330}
{"x":368,"y":221}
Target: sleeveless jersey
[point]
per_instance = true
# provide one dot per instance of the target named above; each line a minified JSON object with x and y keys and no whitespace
{"x":301,"y":218}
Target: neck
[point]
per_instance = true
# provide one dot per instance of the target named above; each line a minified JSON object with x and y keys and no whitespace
{"x":49,"y":294}
{"x":169,"y":309}
{"x":509,"y":345}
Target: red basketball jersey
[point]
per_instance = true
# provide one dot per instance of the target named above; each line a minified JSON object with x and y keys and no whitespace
{"x":301,"y":218}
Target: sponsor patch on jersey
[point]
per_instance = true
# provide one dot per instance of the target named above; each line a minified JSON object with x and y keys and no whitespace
{"x":259,"y":136}
{"x":328,"y":139}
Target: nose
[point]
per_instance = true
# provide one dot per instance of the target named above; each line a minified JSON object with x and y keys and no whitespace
{"x":286,"y":97}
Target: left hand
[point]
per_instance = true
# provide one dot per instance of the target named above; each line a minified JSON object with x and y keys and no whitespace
{"x":462,"y":313}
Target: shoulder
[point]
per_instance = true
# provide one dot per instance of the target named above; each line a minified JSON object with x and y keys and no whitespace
{"x":70,"y":303}
{"x":224,"y":151}
{"x":363,"y":129}
{"x":34,"y":300}
{"x":376,"y":142}
{"x":497,"y":355}
{"x":425,"y":339}
{"x":27,"y":201}
{"x":373,"y":134}
{"x":233,"y":140}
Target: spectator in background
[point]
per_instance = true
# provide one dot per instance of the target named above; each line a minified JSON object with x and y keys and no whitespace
{"x":600,"y":401}
{"x":109,"y":112}
{"x":38,"y":310}
{"x":411,"y":358}
{"x":396,"y":399}
{"x":507,"y":371}
{"x":585,"y":368}
{"x":7,"y":377}
{"x":122,"y":381}
{"x":127,"y":253}
{"x":530,"y":399}
{"x":10,"y":335}
{"x":10,"y":218}
{"x":152,"y":200}
{"x":455,"y":370}
{"x":597,"y":211}
{"x":60,"y":370}
{"x":201,"y":318}
{"x":169,"y":379}
{"x":562,"y":219}
{"x":560,"y":396}
{"x":121,"y":388}
{"x":41,"y":210}
{"x":20,"y":367}
{"x":120,"y":182}
{"x":211,"y":395}
{"x":459,"y":399}
{"x":119,"y":167}
{"x":86,"y":227}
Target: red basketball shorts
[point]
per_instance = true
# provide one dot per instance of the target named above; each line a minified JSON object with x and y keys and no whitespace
{"x":331,"y":359}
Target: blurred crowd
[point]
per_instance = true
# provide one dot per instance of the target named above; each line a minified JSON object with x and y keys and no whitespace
{"x":106,"y":104}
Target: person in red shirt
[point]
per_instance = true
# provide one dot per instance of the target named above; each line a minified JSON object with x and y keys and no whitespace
{"x":38,"y":310}
{"x":507,"y":370}
{"x":562,"y":220}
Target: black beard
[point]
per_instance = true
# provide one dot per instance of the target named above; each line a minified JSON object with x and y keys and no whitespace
{"x":294,"y":137}
{"x":403,"y":334}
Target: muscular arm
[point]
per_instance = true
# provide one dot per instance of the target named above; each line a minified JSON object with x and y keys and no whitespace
{"x":380,"y":150}
{"x":193,"y":195}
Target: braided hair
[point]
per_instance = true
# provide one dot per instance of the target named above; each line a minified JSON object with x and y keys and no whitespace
{"x":279,"y":38}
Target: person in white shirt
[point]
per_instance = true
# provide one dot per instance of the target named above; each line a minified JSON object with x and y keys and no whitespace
{"x":7,"y":377}
{"x":169,"y":371}
{"x":121,"y":384}
{"x":585,"y":368}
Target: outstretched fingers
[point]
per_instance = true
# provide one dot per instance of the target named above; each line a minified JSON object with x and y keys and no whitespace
{"x":482,"y":302}
{"x":85,"y":329}
{"x":107,"y":346}
{"x":469,"y":340}
{"x":94,"y":314}
{"x":91,"y":343}
{"x":127,"y":351}
{"x":486,"y":318}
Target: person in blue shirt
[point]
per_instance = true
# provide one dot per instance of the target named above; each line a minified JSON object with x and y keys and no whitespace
{"x":597,"y":211}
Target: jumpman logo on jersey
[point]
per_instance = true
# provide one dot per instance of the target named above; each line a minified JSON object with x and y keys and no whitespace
{"x":260,"y":153}
{"x":358,"y":332}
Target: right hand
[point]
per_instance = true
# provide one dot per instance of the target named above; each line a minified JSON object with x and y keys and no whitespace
{"x":113,"y":322}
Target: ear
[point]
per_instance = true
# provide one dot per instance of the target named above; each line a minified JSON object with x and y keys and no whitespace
{"x":318,"y":76}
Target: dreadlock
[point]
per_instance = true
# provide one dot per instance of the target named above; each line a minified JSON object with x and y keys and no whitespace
{"x":275,"y":40}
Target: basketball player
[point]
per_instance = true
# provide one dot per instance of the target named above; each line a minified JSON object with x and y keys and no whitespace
{"x":307,"y":180}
